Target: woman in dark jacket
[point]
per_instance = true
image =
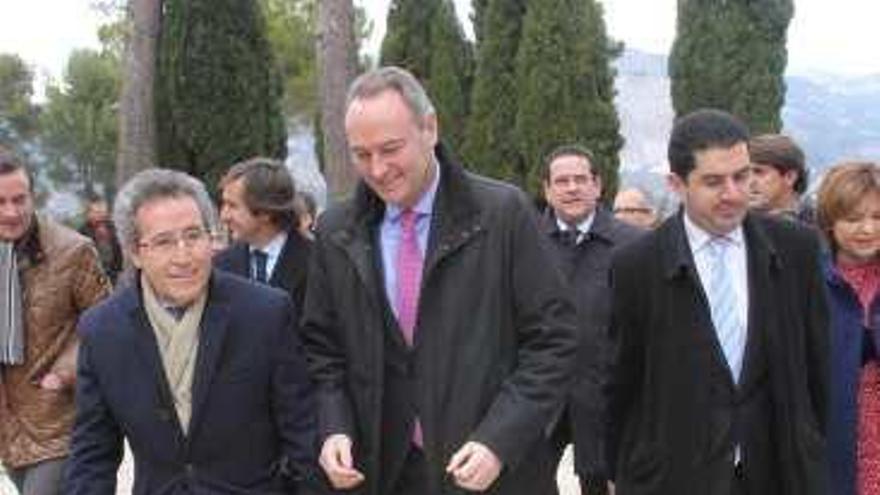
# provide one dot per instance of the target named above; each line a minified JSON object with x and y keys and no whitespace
{"x":849,"y":216}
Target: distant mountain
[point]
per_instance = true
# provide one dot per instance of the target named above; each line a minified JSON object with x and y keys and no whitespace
{"x":833,"y":117}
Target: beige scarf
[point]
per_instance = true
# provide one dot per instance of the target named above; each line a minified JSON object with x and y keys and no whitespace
{"x":178,"y":345}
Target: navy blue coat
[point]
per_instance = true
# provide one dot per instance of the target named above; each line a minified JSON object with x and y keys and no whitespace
{"x":252,"y":415}
{"x":849,"y":339}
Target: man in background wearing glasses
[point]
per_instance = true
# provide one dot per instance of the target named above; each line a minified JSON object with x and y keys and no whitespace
{"x":175,"y":364}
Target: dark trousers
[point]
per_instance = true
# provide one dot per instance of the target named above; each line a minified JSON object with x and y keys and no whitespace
{"x":593,"y":485}
{"x":42,"y":478}
{"x":413,"y":477}
{"x":738,"y":484}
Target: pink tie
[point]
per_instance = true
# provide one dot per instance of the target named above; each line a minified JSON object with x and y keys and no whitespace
{"x":409,"y":282}
{"x":409,"y":275}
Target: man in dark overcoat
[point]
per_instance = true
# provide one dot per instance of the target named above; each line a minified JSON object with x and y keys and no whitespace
{"x":720,"y":385}
{"x":585,"y":234}
{"x":436,"y":325}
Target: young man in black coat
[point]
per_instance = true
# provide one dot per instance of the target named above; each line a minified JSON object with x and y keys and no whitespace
{"x":258,"y":208}
{"x":721,"y":380}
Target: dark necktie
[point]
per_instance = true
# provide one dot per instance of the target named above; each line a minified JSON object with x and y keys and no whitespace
{"x":568,"y":237}
{"x":260,"y":258}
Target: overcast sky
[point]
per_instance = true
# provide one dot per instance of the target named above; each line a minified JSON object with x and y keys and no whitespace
{"x":830,"y":36}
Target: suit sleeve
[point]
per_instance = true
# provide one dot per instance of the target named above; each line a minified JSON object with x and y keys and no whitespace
{"x":324,"y":348}
{"x":96,"y":447}
{"x":293,"y":397}
{"x":626,"y":367}
{"x":818,"y":339}
{"x":545,"y":341}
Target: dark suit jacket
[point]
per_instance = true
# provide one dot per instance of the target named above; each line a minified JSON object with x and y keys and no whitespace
{"x":494,"y":343}
{"x":675,"y":413}
{"x":252,"y":413}
{"x":290,"y":272}
{"x":586,"y":267}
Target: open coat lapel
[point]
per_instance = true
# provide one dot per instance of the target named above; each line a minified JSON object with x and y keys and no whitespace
{"x":212,"y":334}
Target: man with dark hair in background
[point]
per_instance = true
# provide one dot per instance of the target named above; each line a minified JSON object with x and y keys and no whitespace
{"x":259,"y":209}
{"x":49,"y":275}
{"x":779,"y":177}
{"x":585,"y":234}
{"x":721,"y":326}
{"x":100,"y":230}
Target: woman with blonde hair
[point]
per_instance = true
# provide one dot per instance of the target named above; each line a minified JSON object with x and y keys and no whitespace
{"x":849,"y":217}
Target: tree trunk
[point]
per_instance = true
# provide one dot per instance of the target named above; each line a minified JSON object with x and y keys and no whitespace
{"x":336,"y":57}
{"x":137,"y":118}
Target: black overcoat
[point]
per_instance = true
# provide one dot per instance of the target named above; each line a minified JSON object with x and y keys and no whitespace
{"x":495,"y":338}
{"x":675,"y":414}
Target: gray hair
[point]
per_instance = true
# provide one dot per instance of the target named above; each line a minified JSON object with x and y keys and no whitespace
{"x":392,"y":78}
{"x":153,"y":184}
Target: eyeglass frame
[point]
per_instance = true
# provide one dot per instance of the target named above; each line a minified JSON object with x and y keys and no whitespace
{"x":164,"y":243}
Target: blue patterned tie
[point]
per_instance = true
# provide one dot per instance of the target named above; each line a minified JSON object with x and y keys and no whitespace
{"x":260,"y":260}
{"x":723,"y":304}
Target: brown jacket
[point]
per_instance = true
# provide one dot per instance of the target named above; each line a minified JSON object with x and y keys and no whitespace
{"x":61,"y":277}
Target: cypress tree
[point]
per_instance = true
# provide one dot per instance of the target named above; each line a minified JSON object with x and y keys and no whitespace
{"x":218,"y":92}
{"x":565,"y":87}
{"x":490,"y":143}
{"x":732,"y":55}
{"x":478,"y":19}
{"x":426,"y":38}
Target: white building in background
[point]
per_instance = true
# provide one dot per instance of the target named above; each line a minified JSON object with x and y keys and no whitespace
{"x":303,"y":164}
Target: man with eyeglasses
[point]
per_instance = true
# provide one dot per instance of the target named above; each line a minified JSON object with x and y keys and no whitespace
{"x":584,"y":234}
{"x":209,"y":401}
{"x":631,"y":205}
{"x":49,"y":274}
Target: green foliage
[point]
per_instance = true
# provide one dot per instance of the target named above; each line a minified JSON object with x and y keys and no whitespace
{"x":565,"y":87}
{"x":732,"y":56}
{"x":426,"y":38}
{"x":490,"y":144}
{"x":79,"y":126}
{"x":290,"y":29}
{"x":18,"y":115}
{"x":218,"y":91}
{"x":480,"y":7}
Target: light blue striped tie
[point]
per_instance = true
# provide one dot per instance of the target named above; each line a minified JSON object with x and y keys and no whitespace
{"x":723,"y":304}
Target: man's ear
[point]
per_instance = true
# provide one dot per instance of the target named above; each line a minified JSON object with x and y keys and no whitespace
{"x":676,"y":184}
{"x":429,"y":130}
{"x":134,"y":256}
{"x":790,"y":177}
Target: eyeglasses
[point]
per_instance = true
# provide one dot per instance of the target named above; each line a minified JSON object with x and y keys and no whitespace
{"x":166,"y":242}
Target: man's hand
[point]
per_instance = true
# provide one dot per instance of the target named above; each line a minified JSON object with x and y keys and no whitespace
{"x":474,"y":467}
{"x":337,"y":462}
{"x":55,"y":380}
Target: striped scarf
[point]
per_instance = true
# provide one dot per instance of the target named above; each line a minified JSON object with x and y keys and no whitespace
{"x":11,"y":323}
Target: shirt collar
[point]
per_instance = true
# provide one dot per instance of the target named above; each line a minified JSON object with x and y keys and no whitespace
{"x":274,"y":247}
{"x":699,"y":239}
{"x":583,"y":227}
{"x":424,"y":206}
